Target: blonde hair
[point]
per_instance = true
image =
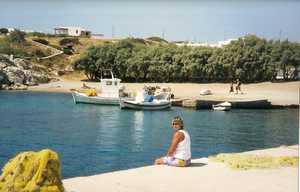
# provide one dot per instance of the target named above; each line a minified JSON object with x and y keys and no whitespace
{"x":179,"y":120}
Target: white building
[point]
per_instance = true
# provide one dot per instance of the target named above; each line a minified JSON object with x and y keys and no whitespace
{"x":72,"y":31}
{"x":219,"y":44}
{"x":226,"y":42}
{"x":11,"y":30}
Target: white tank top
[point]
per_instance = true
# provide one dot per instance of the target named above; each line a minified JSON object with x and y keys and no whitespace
{"x":183,"y":150}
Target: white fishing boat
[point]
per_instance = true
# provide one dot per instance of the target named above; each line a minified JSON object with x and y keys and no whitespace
{"x":110,"y":93}
{"x":147,"y":102}
{"x":79,"y":97}
{"x":225,"y":106}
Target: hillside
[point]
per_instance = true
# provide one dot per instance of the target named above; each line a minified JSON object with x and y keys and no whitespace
{"x":56,"y":54}
{"x":250,"y":58}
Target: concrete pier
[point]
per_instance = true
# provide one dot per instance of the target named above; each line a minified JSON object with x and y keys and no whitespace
{"x":236,"y":104}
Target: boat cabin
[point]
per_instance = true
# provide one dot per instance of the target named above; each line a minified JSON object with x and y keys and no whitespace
{"x":110,"y":87}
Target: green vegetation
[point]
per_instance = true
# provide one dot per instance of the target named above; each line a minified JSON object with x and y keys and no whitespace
{"x":3,"y":31}
{"x":40,"y":34}
{"x":252,"y":59}
{"x":42,"y":41}
{"x":249,"y":58}
{"x":16,"y":44}
{"x":6,"y":47}
{"x":69,"y":41}
{"x":36,"y":34}
{"x":67,"y":44}
{"x":17,"y":36}
{"x":157,"y":39}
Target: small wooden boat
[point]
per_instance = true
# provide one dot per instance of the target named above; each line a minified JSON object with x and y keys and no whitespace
{"x":225,"y":106}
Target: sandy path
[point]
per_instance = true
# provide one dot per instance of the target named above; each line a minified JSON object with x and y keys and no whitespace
{"x":202,"y":176}
{"x":278,"y":93}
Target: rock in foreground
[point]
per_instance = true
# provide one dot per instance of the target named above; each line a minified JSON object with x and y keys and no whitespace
{"x":32,"y":172}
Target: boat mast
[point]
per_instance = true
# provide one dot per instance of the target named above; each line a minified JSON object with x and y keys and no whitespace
{"x":111,"y":73}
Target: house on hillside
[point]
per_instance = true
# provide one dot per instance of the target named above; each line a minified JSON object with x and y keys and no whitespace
{"x":72,"y":31}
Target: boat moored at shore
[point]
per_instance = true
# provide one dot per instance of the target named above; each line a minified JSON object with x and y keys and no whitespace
{"x":79,"y":97}
{"x":145,"y":101}
{"x":225,"y":106}
{"x":110,"y":93}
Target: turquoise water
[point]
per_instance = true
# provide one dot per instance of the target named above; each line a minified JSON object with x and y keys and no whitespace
{"x":95,"y":139}
{"x":194,"y":20}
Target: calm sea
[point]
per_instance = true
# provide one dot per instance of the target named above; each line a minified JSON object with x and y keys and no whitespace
{"x":194,"y":20}
{"x":95,"y":139}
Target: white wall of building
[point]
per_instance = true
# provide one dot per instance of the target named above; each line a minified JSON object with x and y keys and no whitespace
{"x":72,"y":31}
{"x":75,"y":31}
{"x":218,"y":44}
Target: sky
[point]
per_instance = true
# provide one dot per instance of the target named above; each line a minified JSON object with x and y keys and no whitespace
{"x":193,"y":20}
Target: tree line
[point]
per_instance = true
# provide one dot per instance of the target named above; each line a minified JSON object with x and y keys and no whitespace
{"x":250,"y":58}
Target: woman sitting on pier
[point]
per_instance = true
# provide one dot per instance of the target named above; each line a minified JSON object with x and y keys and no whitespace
{"x":179,"y":153}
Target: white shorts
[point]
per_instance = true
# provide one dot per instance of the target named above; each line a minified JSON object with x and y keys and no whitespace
{"x":172,"y":161}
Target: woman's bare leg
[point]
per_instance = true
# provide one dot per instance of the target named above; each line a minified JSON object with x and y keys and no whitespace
{"x":159,"y":161}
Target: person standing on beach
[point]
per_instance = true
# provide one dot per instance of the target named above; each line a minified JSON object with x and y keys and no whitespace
{"x":238,"y":87}
{"x":179,"y":153}
{"x":231,"y":90}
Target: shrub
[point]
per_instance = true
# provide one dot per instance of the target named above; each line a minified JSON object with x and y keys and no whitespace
{"x":66,"y":42}
{"x":136,"y":40}
{"x":42,"y":41}
{"x":50,"y":35}
{"x":3,"y":31}
{"x":68,"y":50}
{"x":36,"y":34}
{"x":4,"y":46}
{"x":7,"y":48}
{"x":17,"y":36}
{"x":38,"y":53}
{"x":250,"y":59}
{"x":158,"y":39}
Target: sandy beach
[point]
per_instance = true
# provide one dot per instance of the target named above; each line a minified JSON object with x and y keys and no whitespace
{"x":285,"y":93}
{"x":203,"y":175}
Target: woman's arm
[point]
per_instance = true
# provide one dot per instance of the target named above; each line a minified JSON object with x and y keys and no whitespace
{"x":177,"y":138}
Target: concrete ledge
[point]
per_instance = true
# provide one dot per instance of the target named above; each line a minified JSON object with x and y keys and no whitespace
{"x":202,"y":175}
{"x":236,"y":104}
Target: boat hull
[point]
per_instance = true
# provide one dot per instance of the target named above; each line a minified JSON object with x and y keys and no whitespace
{"x":82,"y":98}
{"x":145,"y":105}
{"x":221,"y":108}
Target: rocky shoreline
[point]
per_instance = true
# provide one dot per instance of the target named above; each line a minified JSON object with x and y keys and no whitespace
{"x":18,"y":74}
